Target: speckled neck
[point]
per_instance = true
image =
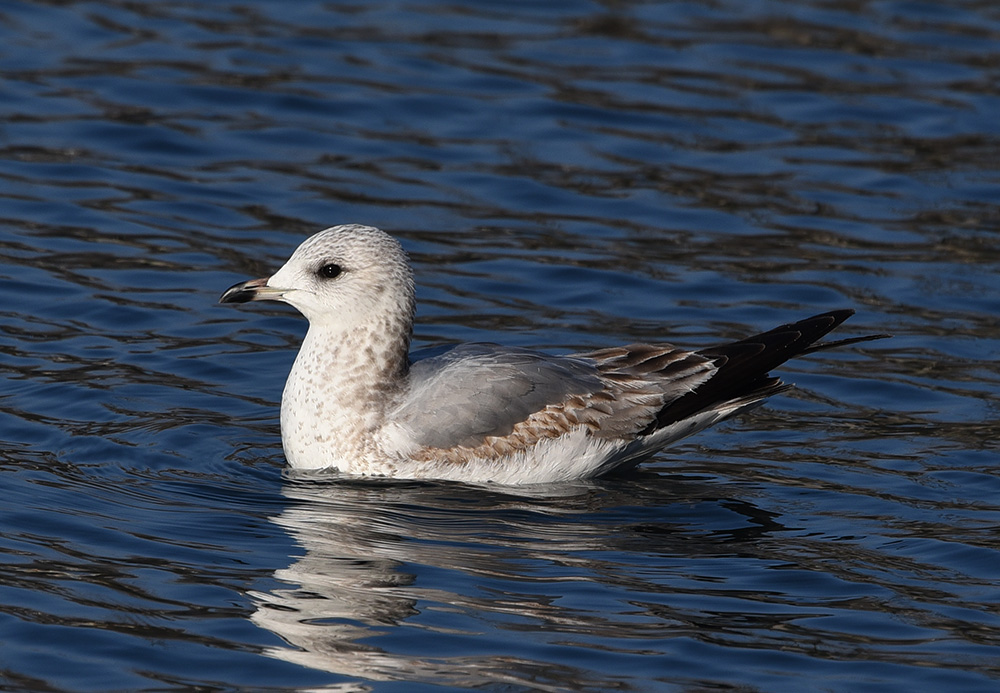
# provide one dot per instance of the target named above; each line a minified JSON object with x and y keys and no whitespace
{"x":339,"y":388}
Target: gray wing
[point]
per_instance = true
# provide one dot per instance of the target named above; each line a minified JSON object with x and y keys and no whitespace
{"x":477,"y":391}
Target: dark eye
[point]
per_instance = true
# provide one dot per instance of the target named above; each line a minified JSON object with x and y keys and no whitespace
{"x":330,"y":270}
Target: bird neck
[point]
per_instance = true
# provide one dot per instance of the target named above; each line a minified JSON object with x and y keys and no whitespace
{"x":338,"y":391}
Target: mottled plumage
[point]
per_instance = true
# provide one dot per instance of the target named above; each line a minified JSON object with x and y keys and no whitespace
{"x":355,"y":401}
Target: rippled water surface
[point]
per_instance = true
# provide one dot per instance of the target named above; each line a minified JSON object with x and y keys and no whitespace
{"x":565,"y":175}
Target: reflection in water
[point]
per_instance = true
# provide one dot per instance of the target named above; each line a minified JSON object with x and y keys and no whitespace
{"x":469,"y":586}
{"x":372,"y":549}
{"x":377,"y":558}
{"x":355,"y":580}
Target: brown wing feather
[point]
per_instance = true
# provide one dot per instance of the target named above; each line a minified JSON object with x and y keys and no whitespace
{"x":643,"y":378}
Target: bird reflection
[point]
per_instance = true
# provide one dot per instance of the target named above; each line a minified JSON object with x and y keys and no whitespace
{"x":449,"y":572}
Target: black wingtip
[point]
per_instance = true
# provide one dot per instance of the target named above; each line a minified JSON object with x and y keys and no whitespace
{"x":844,"y":342}
{"x":744,"y":365}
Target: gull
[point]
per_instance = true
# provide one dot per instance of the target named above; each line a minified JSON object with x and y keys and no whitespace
{"x":357,"y":401}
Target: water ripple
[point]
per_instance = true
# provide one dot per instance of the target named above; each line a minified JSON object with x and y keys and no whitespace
{"x":564,"y":176}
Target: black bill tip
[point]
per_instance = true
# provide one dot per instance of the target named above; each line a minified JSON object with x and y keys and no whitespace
{"x":243,"y":292}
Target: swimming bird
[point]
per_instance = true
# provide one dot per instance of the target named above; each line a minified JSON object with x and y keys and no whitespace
{"x":357,"y":401}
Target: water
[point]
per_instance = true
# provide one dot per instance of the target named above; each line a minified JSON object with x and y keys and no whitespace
{"x":565,"y":176}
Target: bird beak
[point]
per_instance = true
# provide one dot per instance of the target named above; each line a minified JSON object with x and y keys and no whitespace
{"x":252,"y":290}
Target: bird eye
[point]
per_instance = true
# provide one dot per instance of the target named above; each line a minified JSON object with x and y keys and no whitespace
{"x":330,"y":270}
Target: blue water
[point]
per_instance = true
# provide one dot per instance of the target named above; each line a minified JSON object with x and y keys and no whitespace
{"x":565,"y":176}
